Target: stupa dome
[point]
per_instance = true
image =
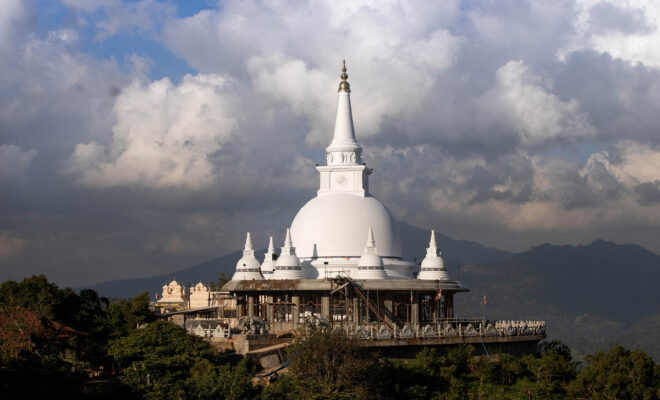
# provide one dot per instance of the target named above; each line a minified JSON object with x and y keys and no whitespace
{"x":333,"y":225}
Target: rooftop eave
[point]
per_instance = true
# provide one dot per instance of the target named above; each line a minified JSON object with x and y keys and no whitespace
{"x":283,"y":285}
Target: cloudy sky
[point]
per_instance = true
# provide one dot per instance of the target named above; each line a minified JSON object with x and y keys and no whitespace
{"x":139,"y":137}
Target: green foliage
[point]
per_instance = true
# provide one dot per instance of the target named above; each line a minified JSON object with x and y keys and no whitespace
{"x":286,"y":387}
{"x":208,"y":381}
{"x":35,"y":294}
{"x":222,"y":279}
{"x":162,"y":361}
{"x":328,"y":364}
{"x":124,"y":316}
{"x":617,"y":374}
{"x":158,"y":360}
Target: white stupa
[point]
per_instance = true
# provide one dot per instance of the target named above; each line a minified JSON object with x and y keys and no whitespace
{"x":433,"y":267}
{"x":268,"y":266}
{"x":371,"y":264}
{"x":288,"y":265}
{"x":329,"y":228}
{"x":247,"y":268}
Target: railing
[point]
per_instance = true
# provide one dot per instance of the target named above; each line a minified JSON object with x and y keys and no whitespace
{"x":209,"y":328}
{"x":447,"y":328}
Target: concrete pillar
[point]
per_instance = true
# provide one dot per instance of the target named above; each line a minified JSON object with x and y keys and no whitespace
{"x":450,"y":305}
{"x":356,"y":311}
{"x":250,"y":306}
{"x":295,"y":310}
{"x":269,"y":309}
{"x":387,"y":305}
{"x":240,"y":307}
{"x":325,"y":307}
{"x":414,"y":311}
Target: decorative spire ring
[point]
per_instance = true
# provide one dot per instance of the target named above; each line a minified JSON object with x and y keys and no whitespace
{"x":344,"y":86}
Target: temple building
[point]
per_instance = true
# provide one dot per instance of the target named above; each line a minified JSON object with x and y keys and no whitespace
{"x":200,"y":296}
{"x":341,"y":266}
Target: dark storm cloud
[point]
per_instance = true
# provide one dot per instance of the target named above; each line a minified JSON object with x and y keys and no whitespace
{"x":648,"y":193}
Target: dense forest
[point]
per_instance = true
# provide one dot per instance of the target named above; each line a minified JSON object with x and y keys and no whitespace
{"x":55,"y":341}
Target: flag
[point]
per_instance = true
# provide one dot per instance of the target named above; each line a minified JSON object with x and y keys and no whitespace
{"x":484,"y":299}
{"x":439,"y":295}
{"x":156,"y":295}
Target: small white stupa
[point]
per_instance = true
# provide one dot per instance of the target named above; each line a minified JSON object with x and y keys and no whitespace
{"x":288,"y":264}
{"x":268,"y":266}
{"x":247,"y":268}
{"x":433,"y":267}
{"x":370,"y":265}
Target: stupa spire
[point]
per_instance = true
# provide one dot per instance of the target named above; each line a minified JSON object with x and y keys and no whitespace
{"x":344,"y":149}
{"x":370,"y":265}
{"x":271,"y":246}
{"x":287,"y":240}
{"x":371,"y":242}
{"x":248,"y":249}
{"x":432,"y":250}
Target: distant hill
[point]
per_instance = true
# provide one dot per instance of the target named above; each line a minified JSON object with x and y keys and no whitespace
{"x":415,"y":241}
{"x":590,"y":294}
{"x":206,"y":272}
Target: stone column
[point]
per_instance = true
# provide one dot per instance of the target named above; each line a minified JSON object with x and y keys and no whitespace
{"x":295,"y":310}
{"x":325,"y":307}
{"x":250,"y":306}
{"x":356,"y":311}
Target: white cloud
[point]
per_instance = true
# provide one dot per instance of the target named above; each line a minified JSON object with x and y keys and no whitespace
{"x":395,"y":54}
{"x":521,"y":101}
{"x":165,"y":136}
{"x":13,"y":17}
{"x":630,"y":30}
{"x":632,"y":163}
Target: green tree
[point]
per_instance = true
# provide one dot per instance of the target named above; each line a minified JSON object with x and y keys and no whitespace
{"x":328,"y":364}
{"x":617,"y":374}
{"x":211,"y":382}
{"x":222,"y":279}
{"x":35,"y":294}
{"x":124,"y":316}
{"x":157,"y":361}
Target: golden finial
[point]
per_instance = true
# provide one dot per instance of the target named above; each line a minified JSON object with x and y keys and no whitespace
{"x":344,"y":86}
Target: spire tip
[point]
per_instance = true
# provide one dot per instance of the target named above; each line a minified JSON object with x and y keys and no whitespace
{"x":344,"y":86}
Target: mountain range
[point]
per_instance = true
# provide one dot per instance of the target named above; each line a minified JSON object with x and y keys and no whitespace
{"x":590,"y":295}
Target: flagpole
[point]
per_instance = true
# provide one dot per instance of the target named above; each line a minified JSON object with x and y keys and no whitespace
{"x":483,"y":309}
